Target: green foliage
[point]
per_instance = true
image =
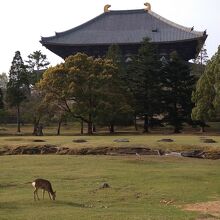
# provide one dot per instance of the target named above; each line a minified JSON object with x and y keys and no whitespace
{"x":177,"y":90}
{"x":198,"y":65}
{"x":37,"y":63}
{"x":115,"y":108}
{"x":1,"y":99}
{"x":144,"y":82}
{"x":114,"y":53}
{"x":18,"y":85}
{"x":207,"y":94}
{"x":78,"y":85}
{"x":202,"y":57}
{"x":3,"y":81}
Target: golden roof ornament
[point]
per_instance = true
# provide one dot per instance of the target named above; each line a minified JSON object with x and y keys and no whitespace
{"x":148,"y":6}
{"x":106,"y":8}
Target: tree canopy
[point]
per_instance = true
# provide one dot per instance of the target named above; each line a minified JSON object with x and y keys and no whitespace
{"x":37,"y":62}
{"x":207,"y":94}
{"x":18,"y":85}
{"x":177,"y":90}
{"x":144,"y":82}
{"x":77,"y":86}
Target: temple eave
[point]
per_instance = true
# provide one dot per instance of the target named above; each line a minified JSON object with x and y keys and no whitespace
{"x":187,"y":48}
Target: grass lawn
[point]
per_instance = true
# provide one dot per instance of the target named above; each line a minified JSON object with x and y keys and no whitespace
{"x":184,"y":141}
{"x":180,"y":142}
{"x":140,"y":188}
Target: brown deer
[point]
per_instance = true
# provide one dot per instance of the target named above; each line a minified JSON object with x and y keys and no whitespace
{"x":45,"y":185}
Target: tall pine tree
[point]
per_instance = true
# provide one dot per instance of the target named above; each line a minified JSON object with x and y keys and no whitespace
{"x":1,"y":99}
{"x":37,"y":62}
{"x":115,"y":107}
{"x":18,"y":85}
{"x":144,"y":82}
{"x":177,"y":90}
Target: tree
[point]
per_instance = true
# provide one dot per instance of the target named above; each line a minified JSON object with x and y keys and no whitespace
{"x":202,"y":57}
{"x":3,"y":86}
{"x":207,"y":94}
{"x":115,"y":108}
{"x":198,"y":68}
{"x":177,"y":90}
{"x":18,"y":85}
{"x":114,"y":53}
{"x":37,"y":63}
{"x":3,"y":81}
{"x":76,"y":85}
{"x":144,"y":82}
{"x":198,"y":65}
{"x":1,"y":99}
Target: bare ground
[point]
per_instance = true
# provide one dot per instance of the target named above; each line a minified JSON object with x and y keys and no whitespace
{"x":209,"y":210}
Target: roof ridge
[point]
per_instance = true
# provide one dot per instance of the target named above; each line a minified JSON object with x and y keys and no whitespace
{"x":184,"y":28}
{"x":174,"y":28}
{"x":126,"y":11}
{"x":57,"y":34}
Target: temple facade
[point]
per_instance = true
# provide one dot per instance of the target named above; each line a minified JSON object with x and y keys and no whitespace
{"x":127,"y":29}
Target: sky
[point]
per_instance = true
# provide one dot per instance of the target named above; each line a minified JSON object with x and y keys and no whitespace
{"x":23,"y":22}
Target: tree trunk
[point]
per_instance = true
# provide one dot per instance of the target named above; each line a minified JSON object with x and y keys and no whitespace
{"x":82,"y":127}
{"x":177,"y":129}
{"x":146,"y":124}
{"x":89,"y":127}
{"x":135,"y":123}
{"x":90,"y":124}
{"x":112,"y":128}
{"x":202,"y":129}
{"x":18,"y":119}
{"x":40,"y":130}
{"x":177,"y":120}
{"x":36,"y":123}
{"x":93,"y":128}
{"x":59,"y":126}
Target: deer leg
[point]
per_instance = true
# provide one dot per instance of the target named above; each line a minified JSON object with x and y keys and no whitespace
{"x":34,"y":195}
{"x":43,"y":193}
{"x":49,"y":195}
{"x":37,"y":194}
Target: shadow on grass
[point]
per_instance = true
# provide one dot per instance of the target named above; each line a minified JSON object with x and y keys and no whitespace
{"x":69,"y":203}
{"x":8,"y":205}
{"x":6,"y":185}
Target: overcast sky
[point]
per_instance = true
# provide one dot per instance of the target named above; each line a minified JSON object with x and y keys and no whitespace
{"x":23,"y":22}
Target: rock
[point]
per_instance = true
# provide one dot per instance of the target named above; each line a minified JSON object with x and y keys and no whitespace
{"x":166,"y":140}
{"x":48,"y":149}
{"x":4,"y":151}
{"x":214,"y":155}
{"x":160,"y":152}
{"x":63,"y":150}
{"x":39,"y":141}
{"x":193,"y":153}
{"x":210,"y":141}
{"x":3,"y":129}
{"x":104,"y":186}
{"x":79,"y":141}
{"x":121,"y":140}
{"x":173,"y":154}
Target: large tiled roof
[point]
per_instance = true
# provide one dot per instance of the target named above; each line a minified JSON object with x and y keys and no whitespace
{"x":124,"y":27}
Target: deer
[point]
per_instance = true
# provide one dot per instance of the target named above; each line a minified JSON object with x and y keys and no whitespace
{"x":45,"y":185}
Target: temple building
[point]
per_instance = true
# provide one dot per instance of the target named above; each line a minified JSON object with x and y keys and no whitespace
{"x":127,"y":29}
